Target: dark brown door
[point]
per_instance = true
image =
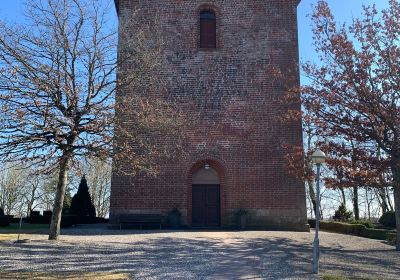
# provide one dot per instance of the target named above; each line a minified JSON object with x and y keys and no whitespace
{"x":206,"y":206}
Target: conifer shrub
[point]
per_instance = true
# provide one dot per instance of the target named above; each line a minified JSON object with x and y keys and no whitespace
{"x":81,"y":204}
{"x":342,"y":214}
{"x":388,"y":219}
{"x":67,"y":203}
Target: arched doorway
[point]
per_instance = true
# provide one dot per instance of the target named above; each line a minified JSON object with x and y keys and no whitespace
{"x":206,"y":209}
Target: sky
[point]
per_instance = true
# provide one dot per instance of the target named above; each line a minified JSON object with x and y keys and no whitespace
{"x":344,"y":11}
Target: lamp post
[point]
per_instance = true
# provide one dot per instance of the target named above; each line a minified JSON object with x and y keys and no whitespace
{"x":318,"y":158}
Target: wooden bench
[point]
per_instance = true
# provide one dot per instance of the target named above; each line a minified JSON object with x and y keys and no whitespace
{"x":140,"y":220}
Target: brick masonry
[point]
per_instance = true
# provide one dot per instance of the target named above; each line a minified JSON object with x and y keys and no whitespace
{"x":232,"y":88}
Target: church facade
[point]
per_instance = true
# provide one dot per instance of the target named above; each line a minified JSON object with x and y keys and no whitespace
{"x":224,"y":55}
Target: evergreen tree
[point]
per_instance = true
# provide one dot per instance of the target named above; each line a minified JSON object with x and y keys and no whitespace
{"x":67,"y":202}
{"x":1,"y":212}
{"x":342,"y":214}
{"x":81,"y":202}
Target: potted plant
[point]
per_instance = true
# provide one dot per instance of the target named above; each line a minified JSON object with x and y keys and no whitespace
{"x":241,"y":219}
{"x":174,"y":218}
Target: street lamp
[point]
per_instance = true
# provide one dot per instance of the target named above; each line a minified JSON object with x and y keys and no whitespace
{"x":318,"y":158}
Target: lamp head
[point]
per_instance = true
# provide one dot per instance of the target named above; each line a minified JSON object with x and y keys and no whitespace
{"x":318,"y":157}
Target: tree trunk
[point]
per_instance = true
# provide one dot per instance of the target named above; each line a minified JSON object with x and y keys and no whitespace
{"x":343,"y":195}
{"x":368,"y":204}
{"x":382,"y":201}
{"x":59,"y":199}
{"x":391,"y":208}
{"x":396,"y":184}
{"x":355,"y":204}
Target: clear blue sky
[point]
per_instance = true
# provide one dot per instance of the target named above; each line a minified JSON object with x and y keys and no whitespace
{"x":344,"y":11}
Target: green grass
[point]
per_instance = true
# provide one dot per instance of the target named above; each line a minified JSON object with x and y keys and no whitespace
{"x":26,"y":228}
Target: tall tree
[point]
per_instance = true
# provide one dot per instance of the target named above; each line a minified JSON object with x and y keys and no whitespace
{"x":98,"y":174}
{"x":11,"y":189}
{"x":354,"y":91}
{"x":31,"y":192}
{"x":58,"y":82}
{"x":299,"y":159}
{"x":354,"y":166}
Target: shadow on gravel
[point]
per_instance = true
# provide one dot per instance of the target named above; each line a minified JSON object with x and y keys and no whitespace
{"x":201,"y":258}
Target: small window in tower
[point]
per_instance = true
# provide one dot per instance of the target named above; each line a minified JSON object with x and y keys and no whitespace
{"x":208,"y":30}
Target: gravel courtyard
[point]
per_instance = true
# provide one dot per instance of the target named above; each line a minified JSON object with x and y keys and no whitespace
{"x":201,"y":255}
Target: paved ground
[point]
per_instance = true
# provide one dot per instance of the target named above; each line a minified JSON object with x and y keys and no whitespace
{"x":201,"y":255}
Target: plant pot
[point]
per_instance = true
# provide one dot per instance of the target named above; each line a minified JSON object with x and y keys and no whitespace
{"x":242,"y":222}
{"x":174,"y":221}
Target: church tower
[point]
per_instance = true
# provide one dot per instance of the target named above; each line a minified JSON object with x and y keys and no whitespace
{"x":222,"y":58}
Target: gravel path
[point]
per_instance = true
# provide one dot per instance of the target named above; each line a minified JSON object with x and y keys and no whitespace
{"x":201,"y":255}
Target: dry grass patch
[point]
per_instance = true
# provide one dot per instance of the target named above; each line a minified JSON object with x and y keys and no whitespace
{"x":338,"y":277}
{"x":62,"y":275}
{"x":5,"y":237}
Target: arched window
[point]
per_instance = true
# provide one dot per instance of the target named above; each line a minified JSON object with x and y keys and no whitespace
{"x":208,"y":30}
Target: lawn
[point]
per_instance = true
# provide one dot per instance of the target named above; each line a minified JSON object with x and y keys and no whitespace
{"x":26,"y":228}
{"x":11,"y":232}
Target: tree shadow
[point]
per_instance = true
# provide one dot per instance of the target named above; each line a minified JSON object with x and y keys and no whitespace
{"x":197,"y":258}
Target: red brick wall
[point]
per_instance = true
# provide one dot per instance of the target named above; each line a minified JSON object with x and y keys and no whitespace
{"x":233,"y":88}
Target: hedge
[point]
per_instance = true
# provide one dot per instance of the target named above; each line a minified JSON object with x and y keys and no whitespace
{"x":39,"y":219}
{"x":388,"y":219}
{"x":5,"y":220}
{"x":353,"y":229}
{"x":68,"y":220}
{"x":374,"y":233}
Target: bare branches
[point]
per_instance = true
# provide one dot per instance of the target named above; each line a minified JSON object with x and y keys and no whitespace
{"x":58,"y":91}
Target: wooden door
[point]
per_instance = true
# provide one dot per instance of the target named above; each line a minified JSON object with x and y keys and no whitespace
{"x":206,"y":206}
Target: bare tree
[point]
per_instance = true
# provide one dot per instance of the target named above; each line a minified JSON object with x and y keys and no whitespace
{"x":354,"y":88}
{"x":58,"y":83}
{"x":48,"y":190}
{"x":11,"y":188}
{"x":31,"y":193}
{"x":98,"y":175}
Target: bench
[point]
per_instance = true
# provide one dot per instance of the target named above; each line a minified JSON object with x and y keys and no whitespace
{"x":140,"y":220}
